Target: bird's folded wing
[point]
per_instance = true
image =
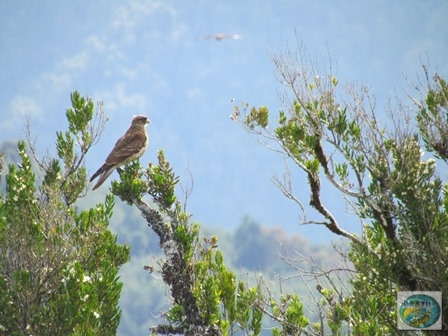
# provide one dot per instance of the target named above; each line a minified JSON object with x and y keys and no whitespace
{"x":128,"y":146}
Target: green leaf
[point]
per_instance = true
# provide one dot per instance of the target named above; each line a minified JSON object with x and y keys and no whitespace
{"x":334,"y":81}
{"x":218,"y":258}
{"x":342,"y":170}
{"x":312,"y":165}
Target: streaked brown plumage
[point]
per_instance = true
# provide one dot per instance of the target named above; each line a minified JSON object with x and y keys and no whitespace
{"x":128,"y":148}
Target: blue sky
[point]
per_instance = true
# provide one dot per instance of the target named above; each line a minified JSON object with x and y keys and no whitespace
{"x":149,"y":57}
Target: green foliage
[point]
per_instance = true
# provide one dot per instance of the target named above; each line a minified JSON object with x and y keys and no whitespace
{"x":162,"y":181}
{"x":289,"y":312}
{"x":131,"y":185}
{"x":58,"y":266}
{"x":258,"y":117}
{"x":433,"y":118}
{"x":79,"y":116}
{"x":204,"y":290}
{"x":399,"y":198}
{"x":220,"y":300}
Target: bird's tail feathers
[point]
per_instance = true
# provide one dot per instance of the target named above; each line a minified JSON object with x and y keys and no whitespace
{"x":98,"y":172}
{"x":102,"y":169}
{"x":103,"y":177}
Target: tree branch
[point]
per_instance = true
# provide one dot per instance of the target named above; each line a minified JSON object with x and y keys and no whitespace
{"x":177,"y":274}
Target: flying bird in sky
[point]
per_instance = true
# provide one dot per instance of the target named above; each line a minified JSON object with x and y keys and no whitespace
{"x":129,"y":147}
{"x":220,"y":37}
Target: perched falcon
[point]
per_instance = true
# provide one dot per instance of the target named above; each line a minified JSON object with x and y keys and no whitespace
{"x":128,"y":148}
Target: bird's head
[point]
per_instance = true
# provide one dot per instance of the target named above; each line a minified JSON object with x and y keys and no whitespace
{"x":140,"y":120}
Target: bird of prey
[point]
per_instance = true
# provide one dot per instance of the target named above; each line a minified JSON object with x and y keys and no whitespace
{"x":220,"y":37}
{"x":128,"y":148}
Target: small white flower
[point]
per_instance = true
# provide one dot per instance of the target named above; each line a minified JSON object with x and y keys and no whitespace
{"x":97,"y":315}
{"x":86,"y":278}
